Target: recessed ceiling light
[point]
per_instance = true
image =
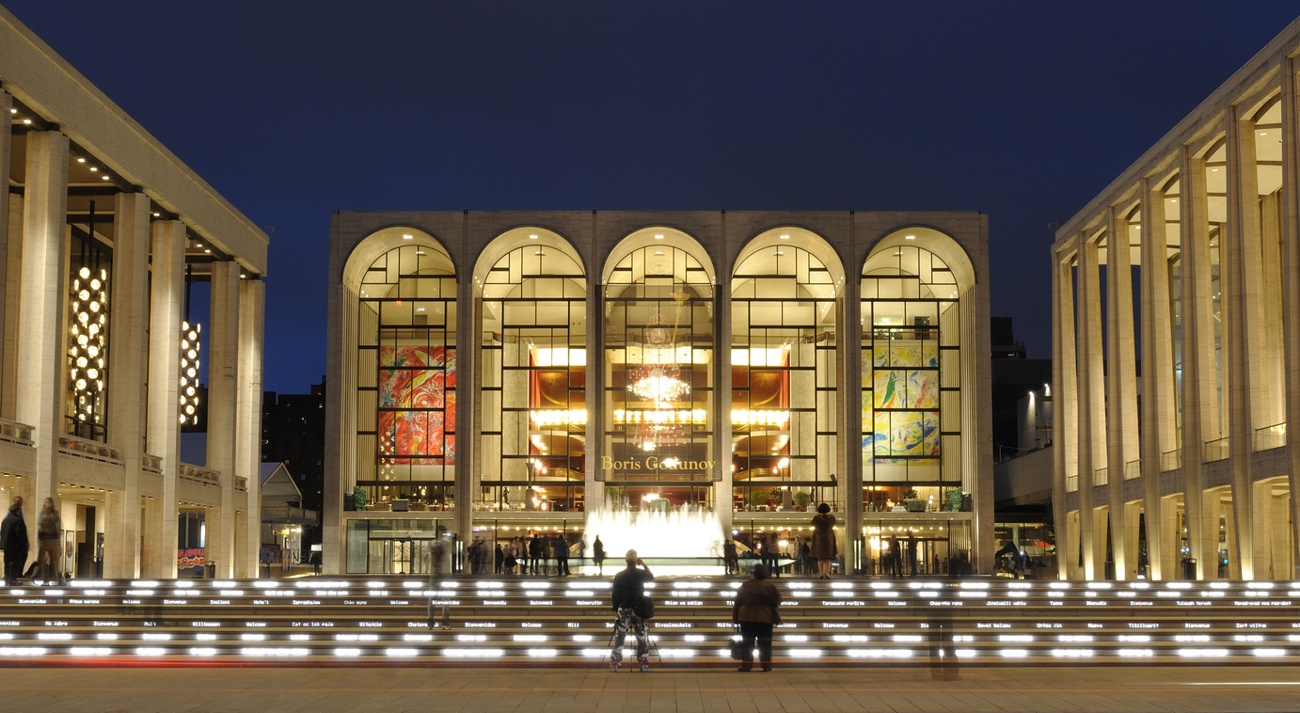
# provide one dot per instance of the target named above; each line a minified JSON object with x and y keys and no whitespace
{"x":533,"y":236}
{"x":408,"y":236}
{"x":81,"y":159}
{"x":779,"y":252}
{"x":910,"y":237}
{"x":105,"y":177}
{"x":659,"y":252}
{"x":27,"y":122}
{"x":785,"y":237}
{"x":94,"y":168}
{"x":659,"y":237}
{"x":157,"y":215}
{"x":13,"y":111}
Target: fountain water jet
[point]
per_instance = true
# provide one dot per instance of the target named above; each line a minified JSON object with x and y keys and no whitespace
{"x":677,"y":533}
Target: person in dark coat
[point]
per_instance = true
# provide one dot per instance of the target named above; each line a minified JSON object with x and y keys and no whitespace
{"x":561,"y":547}
{"x":756,"y":611}
{"x":14,"y":542}
{"x":823,"y":541}
{"x":598,"y":555}
{"x":628,"y":600}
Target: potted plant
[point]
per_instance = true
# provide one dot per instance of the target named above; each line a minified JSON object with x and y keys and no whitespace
{"x":802,"y":499}
{"x":912,"y":501}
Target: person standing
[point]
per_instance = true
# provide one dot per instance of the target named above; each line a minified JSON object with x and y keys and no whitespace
{"x":823,"y":540}
{"x":49,"y":544}
{"x":895,"y":558}
{"x":536,"y":551}
{"x":561,"y":547}
{"x":14,"y":542}
{"x":598,"y":556}
{"x":729,"y":557}
{"x":911,"y":553}
{"x":756,"y":611}
{"x":628,"y":600}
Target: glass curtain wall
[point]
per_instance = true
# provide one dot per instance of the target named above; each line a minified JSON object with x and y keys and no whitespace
{"x":659,"y":323}
{"x":534,"y":382}
{"x":406,"y":381}
{"x":783,"y":381}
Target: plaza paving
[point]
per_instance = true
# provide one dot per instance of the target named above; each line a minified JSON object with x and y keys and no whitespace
{"x":663,"y":690}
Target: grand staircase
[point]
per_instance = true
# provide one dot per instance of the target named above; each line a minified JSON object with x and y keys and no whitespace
{"x":548,"y":621}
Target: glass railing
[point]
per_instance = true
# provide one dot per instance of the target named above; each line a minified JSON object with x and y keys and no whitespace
{"x":1132,"y":470}
{"x":1270,"y":437}
{"x":1101,"y":476}
{"x":1171,"y":460}
{"x":1215,"y":450}
{"x":1072,"y":483}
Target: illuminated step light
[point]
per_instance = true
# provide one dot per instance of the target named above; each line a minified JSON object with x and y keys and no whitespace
{"x":1203,"y":653}
{"x":401,"y":652}
{"x":582,"y":638}
{"x":1135,"y":653}
{"x":55,"y":636}
{"x":1013,"y":653}
{"x":347,"y":652}
{"x":274,"y":652}
{"x":106,"y":637}
{"x":1269,"y":653}
{"x":547,"y":653}
{"x":150,"y":651}
{"x":1072,"y":653}
{"x":156,"y":637}
{"x":471,"y":637}
{"x":300,"y":637}
{"x":1249,"y":638}
{"x":851,"y":638}
{"x":474,"y":653}
{"x":356,"y":637}
{"x":90,"y":651}
{"x":879,"y":653}
{"x":202,"y":651}
{"x":805,"y":653}
{"x":252,"y":637}
{"x":418,"y":637}
{"x":209,"y":637}
{"x":1016,"y":639}
{"x":1075,"y":638}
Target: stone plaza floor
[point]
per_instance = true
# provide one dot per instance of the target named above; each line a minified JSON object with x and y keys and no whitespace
{"x":1183,"y":689}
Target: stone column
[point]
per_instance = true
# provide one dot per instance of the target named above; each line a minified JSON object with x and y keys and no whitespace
{"x":1121,"y":387}
{"x":223,"y":391}
{"x":465,"y":471}
{"x":41,"y":367}
{"x":248,"y":436}
{"x":127,"y":370}
{"x":1291,"y":290}
{"x":848,"y":371}
{"x":593,"y":492}
{"x":721,"y":376}
{"x":164,"y":433}
{"x":10,"y":263}
{"x":1065,"y":437}
{"x":1159,"y":411}
{"x":1092,"y":403}
{"x":1240,"y":270}
{"x":1200,"y":406}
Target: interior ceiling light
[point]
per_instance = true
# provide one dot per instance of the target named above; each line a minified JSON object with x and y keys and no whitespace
{"x":909,"y":237}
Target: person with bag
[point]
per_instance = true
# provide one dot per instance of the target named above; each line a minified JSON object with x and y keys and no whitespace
{"x":14,"y":542}
{"x":629,"y":601}
{"x":49,"y":539}
{"x":756,"y":611}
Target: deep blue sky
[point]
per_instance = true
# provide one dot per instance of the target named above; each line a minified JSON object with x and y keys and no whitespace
{"x":294,"y":109}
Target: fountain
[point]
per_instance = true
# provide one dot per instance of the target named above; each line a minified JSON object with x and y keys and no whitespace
{"x":672,"y":534}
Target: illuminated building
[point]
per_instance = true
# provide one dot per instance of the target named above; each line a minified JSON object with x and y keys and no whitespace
{"x":102,"y":235}
{"x":1187,"y":263}
{"x":497,"y":373}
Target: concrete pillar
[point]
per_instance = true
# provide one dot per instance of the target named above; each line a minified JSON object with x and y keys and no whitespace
{"x":1064,"y":406}
{"x":1241,"y":271}
{"x":597,"y":368}
{"x":720,"y":375}
{"x":467,"y":312}
{"x":41,"y":368}
{"x":340,"y":424}
{"x":1091,"y":401}
{"x":1200,"y":399}
{"x":1121,"y":385}
{"x":1290,"y":220}
{"x":1159,"y":409}
{"x":127,"y":371}
{"x":223,"y":396}
{"x":167,"y":311}
{"x":848,"y":404}
{"x":248,"y":436}
{"x":10,"y":264}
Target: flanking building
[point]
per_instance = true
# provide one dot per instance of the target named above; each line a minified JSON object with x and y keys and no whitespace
{"x":1188,"y":262}
{"x":102,"y":233}
{"x":499,"y":375}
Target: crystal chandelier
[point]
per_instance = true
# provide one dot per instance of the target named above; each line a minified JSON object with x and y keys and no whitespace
{"x":88,"y":347}
{"x":190,"y":372}
{"x":659,"y":377}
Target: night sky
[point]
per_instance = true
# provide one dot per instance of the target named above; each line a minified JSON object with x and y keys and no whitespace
{"x":295,"y":109}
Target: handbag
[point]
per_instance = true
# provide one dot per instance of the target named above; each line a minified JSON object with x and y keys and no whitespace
{"x":647,"y":608}
{"x":739,"y":649}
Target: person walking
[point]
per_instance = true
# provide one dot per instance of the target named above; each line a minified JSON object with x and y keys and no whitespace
{"x":823,"y":540}
{"x":729,"y":556}
{"x":598,"y":556}
{"x":628,"y":600}
{"x":14,"y":542}
{"x":756,"y":611}
{"x":895,"y":558}
{"x":49,"y":544}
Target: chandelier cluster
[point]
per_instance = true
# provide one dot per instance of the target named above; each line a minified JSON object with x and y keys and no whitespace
{"x":659,"y":377}
{"x":89,"y":338}
{"x":190,"y":372}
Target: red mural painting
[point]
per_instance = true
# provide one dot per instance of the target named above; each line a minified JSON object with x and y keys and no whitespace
{"x":417,"y":405}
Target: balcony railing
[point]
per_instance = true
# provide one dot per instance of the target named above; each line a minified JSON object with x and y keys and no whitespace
{"x":1132,"y":470}
{"x":1101,"y":476}
{"x":1072,"y":483}
{"x":1171,"y":460}
{"x":15,"y":432}
{"x":92,"y":450}
{"x":200,"y":475}
{"x":151,"y":463}
{"x":1215,"y":450}
{"x":1270,"y":437}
